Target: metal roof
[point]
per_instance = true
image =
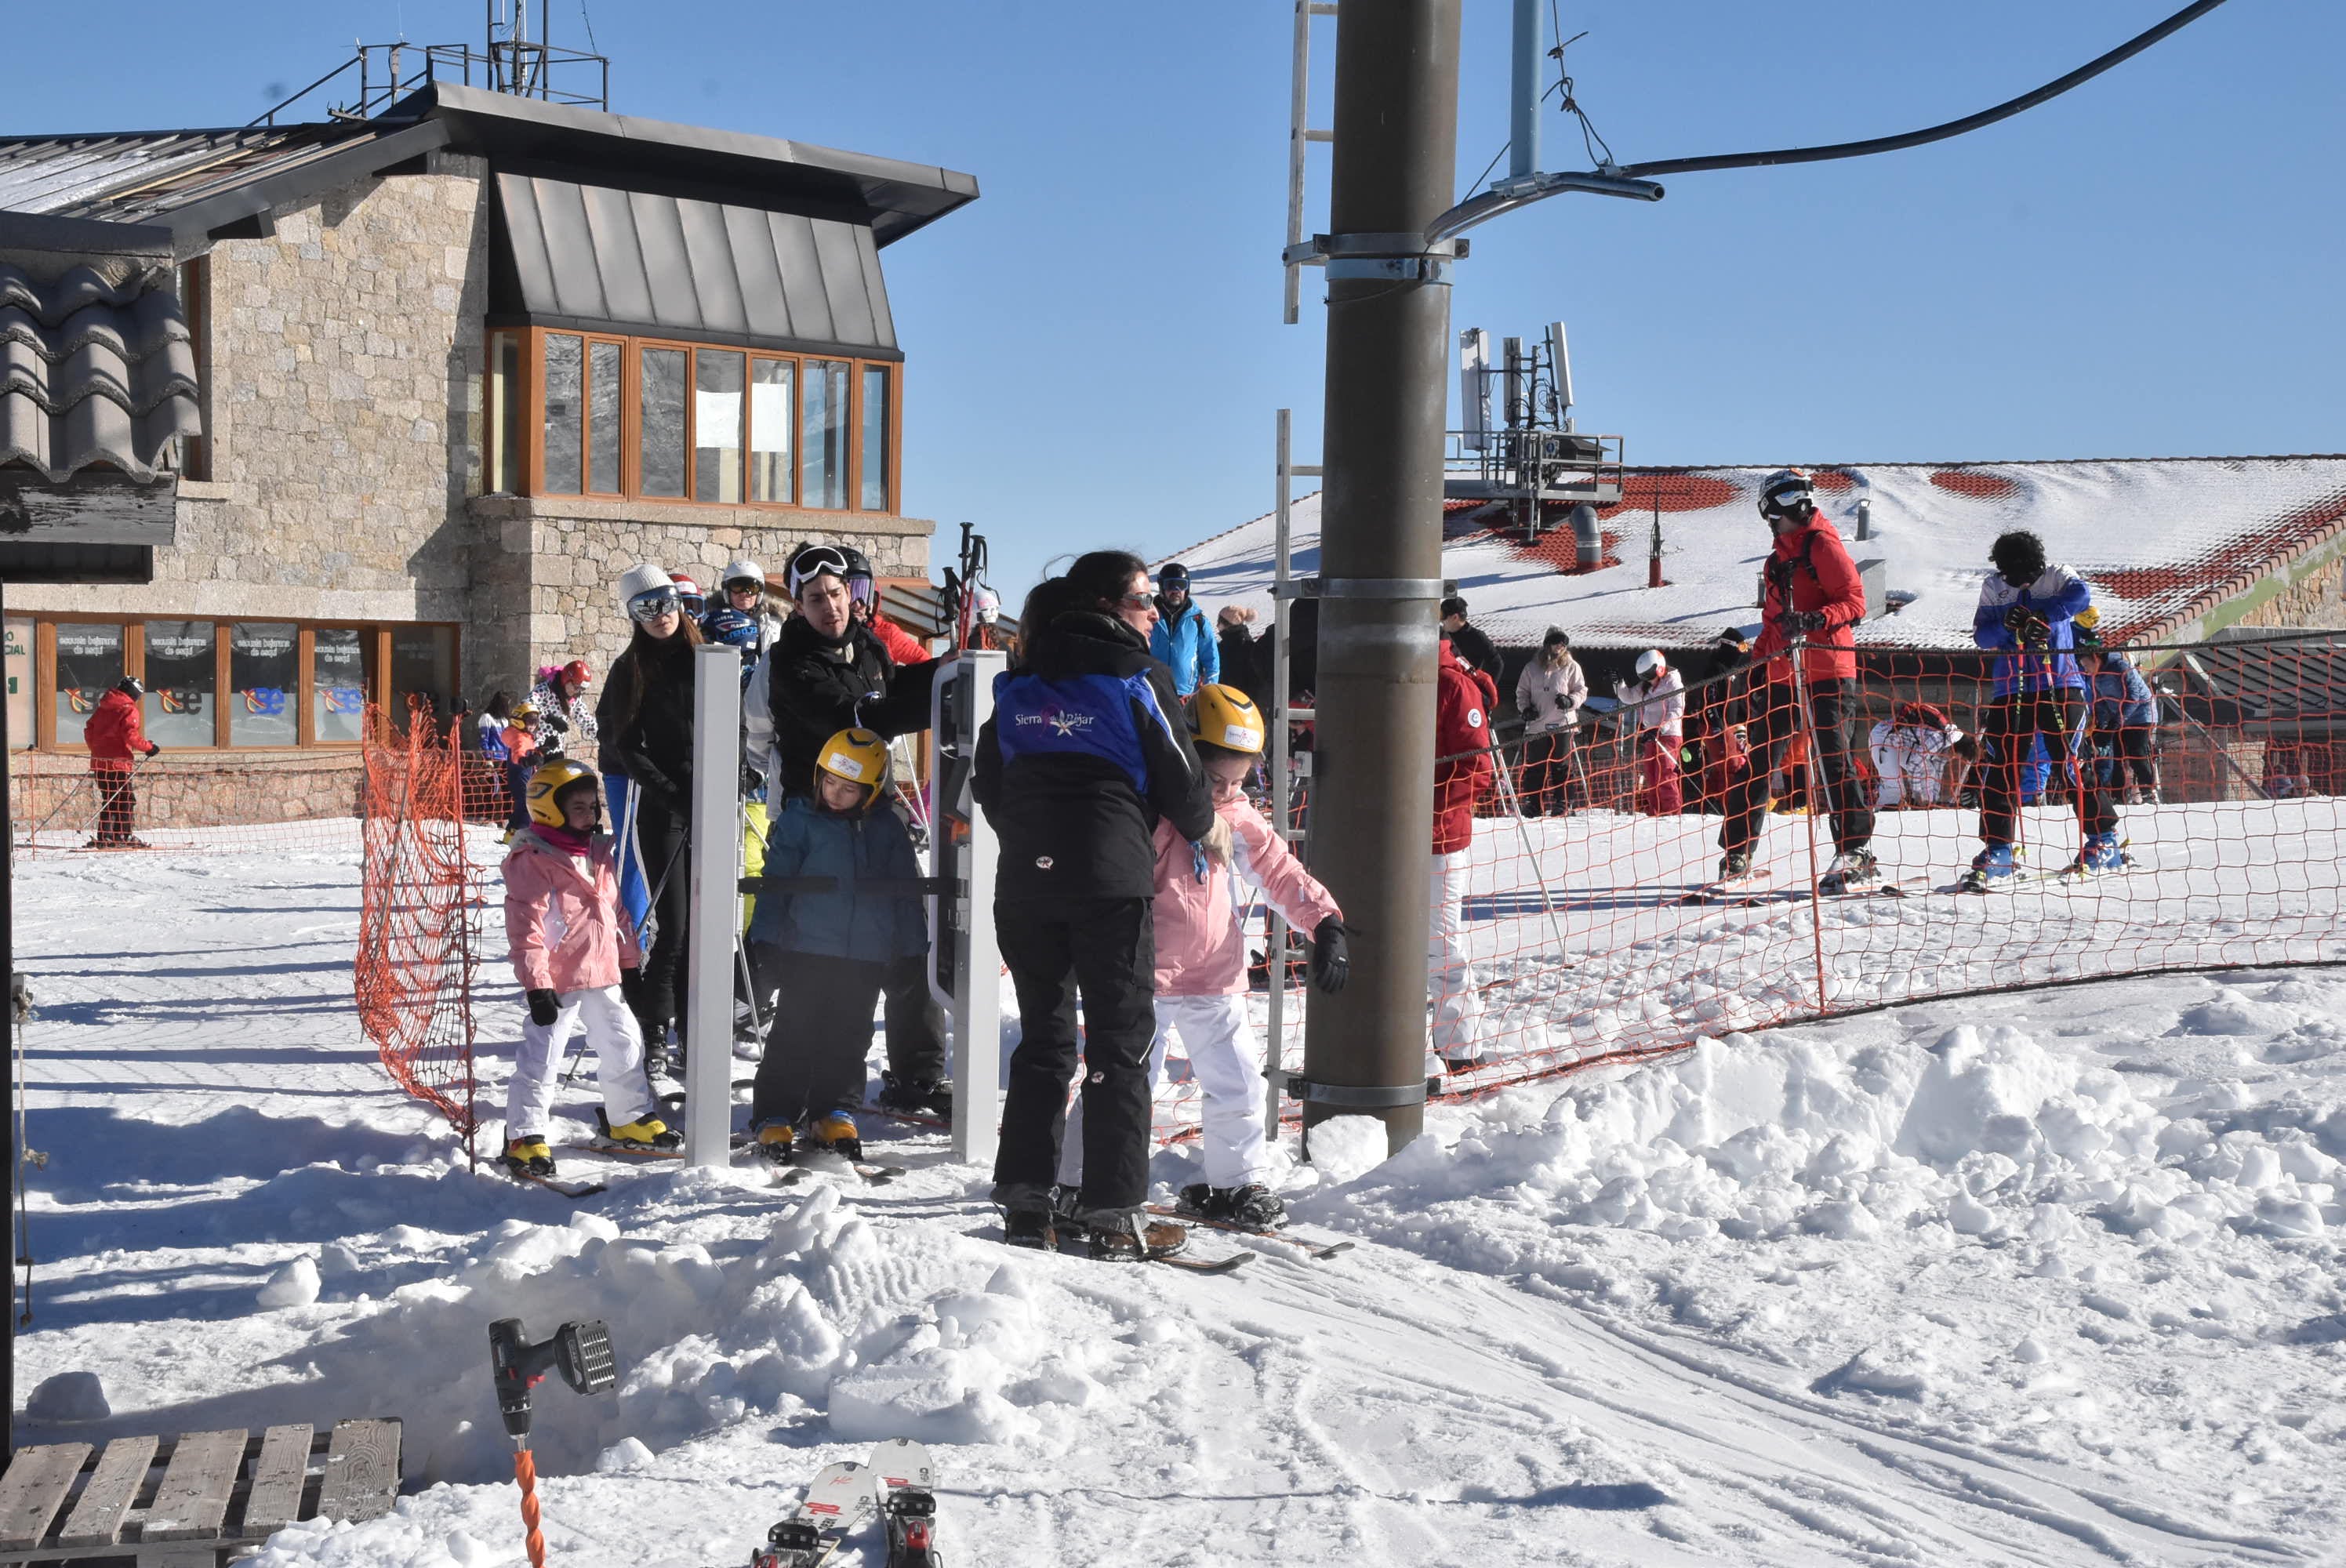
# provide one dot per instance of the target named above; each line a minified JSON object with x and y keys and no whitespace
{"x":133,"y":176}
{"x":95,"y":366}
{"x":593,"y":257}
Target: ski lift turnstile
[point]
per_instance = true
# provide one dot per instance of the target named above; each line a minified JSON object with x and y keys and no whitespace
{"x":964,"y":958}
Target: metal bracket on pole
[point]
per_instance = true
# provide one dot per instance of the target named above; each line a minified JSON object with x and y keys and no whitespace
{"x":1496,"y":202}
{"x":716,"y":867}
{"x":1352,"y":1097}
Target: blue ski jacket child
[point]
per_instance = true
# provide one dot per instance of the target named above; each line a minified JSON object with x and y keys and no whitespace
{"x":855,"y":922}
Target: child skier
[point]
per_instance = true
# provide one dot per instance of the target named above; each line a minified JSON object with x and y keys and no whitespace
{"x":519,"y":738}
{"x":571,"y":943}
{"x":830,"y":950}
{"x":1201,"y":971}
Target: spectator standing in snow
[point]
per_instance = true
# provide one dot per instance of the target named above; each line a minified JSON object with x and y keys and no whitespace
{"x":116,"y":733}
{"x":1081,"y":760}
{"x":1474,"y":650}
{"x":1462,"y":699}
{"x":834,"y":951}
{"x":1653,"y":702}
{"x":1912,"y":749}
{"x":1201,"y":966}
{"x":1548,"y":694}
{"x":1718,"y":720}
{"x":645,"y":721}
{"x":574,"y":950}
{"x":1811,"y":591}
{"x":1180,"y":640}
{"x":2126,"y":714}
{"x":518,"y":741}
{"x":566,"y":720}
{"x":2027,"y":612}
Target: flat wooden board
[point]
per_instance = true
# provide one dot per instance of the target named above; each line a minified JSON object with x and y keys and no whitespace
{"x":362,"y":1470}
{"x":193,"y":1499}
{"x":275,"y":1500}
{"x":97,"y":1518}
{"x":36,"y":1482}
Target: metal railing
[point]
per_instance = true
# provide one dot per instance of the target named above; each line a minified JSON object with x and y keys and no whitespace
{"x":1554,"y":464}
{"x":389,"y":72}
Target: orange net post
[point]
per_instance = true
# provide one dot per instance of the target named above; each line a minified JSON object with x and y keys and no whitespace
{"x":419,"y":921}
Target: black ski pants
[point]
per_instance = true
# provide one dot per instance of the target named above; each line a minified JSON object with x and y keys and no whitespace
{"x":814,"y":1059}
{"x":1775,"y":719}
{"x":916,"y":1025}
{"x":662,"y":831}
{"x":2006,"y":730}
{"x":1546,"y":784}
{"x":1105,"y":950}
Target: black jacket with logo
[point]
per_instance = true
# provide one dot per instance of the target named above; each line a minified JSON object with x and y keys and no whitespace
{"x":814,"y":684}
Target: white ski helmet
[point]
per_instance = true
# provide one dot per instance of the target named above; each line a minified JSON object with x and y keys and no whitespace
{"x":639,"y":580}
{"x":986,"y":605}
{"x":742,"y":571}
{"x":1651,"y":663}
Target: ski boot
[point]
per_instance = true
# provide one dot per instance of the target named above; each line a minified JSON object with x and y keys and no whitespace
{"x":834,"y":1133}
{"x":1850,"y":869}
{"x":2101,"y":853}
{"x":1252,"y":1207}
{"x":526,"y":1154}
{"x":916,"y":1096}
{"x":775,"y":1142}
{"x":1035,"y":1229}
{"x":647,"y":1132}
{"x":1733,"y":864}
{"x":1990,"y":867}
{"x":1131,"y":1236}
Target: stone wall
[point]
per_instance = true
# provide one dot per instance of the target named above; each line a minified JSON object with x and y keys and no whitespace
{"x":53,"y":797}
{"x":2317,"y":602}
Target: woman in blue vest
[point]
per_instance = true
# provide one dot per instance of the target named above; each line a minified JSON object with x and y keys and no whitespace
{"x":1081,"y":759}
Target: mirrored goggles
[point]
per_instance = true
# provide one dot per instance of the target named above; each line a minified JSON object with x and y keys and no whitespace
{"x":652,"y":605}
{"x":1791,"y":495}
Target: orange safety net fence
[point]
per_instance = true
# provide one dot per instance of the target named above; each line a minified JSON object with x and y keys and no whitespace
{"x":1586,"y":931}
{"x":420,"y":902}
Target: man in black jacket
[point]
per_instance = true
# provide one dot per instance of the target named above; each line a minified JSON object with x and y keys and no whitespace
{"x":1474,"y":650}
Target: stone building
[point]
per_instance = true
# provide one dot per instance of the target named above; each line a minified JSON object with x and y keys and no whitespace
{"x":456,"y":366}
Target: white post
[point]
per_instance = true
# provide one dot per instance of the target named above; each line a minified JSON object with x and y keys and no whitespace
{"x":962,"y":914}
{"x":716,"y":904}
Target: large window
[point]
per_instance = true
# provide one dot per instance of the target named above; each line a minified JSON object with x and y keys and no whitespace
{"x":574,"y":414}
{"x":215,"y":683}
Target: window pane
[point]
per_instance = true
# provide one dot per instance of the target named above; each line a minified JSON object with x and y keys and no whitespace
{"x":337,"y":683}
{"x":716,"y":426}
{"x":90,"y":660}
{"x":770,"y":430}
{"x":874,"y":439}
{"x":603,"y":417}
{"x":823,"y":434}
{"x":661,"y":471}
{"x":263,"y":685}
{"x":424,"y":663}
{"x":182,"y":683}
{"x":565,"y":373}
{"x":20,"y":683}
{"x":505,"y":414}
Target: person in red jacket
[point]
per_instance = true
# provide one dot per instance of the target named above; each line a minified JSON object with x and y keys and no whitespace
{"x":1462,"y":700}
{"x":116,"y":733}
{"x":1812,"y":592}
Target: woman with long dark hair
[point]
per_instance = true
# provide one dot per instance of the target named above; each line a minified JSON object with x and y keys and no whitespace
{"x":1083,"y":756}
{"x":645,"y":719}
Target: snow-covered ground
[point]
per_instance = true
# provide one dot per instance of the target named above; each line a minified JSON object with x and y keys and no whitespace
{"x":2049,"y":1278}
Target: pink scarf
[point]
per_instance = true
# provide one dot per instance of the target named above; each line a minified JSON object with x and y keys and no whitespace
{"x":568,"y":841}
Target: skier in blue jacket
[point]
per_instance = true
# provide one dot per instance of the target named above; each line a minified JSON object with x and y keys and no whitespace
{"x":1181,"y":640}
{"x":2027,"y":613}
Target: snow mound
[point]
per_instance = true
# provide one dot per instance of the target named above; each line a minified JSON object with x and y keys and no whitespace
{"x":69,"y":1397}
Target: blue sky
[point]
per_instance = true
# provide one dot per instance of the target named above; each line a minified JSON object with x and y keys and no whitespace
{"x":2146,"y":266}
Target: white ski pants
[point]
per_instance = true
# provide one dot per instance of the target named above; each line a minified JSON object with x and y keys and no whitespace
{"x":1226,"y":1057}
{"x":1450,"y":978}
{"x":617,"y":1042}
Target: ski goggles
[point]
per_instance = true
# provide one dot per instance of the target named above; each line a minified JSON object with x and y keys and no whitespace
{"x":1785,"y":497}
{"x":651,"y":605}
{"x":814,"y":564}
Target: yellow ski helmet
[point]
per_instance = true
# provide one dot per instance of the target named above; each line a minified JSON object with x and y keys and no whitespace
{"x":1226,"y":716}
{"x":858,"y":755}
{"x":549,"y":783}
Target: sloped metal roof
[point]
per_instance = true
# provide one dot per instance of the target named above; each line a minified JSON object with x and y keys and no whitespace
{"x":96,"y":368}
{"x":132,"y":176}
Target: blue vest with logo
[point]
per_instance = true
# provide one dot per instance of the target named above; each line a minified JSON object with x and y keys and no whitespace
{"x":1077,"y":715}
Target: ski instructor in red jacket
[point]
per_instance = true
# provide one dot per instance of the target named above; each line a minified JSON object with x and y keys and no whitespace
{"x":1812,"y":591}
{"x":1462,"y":700}
{"x":115,"y":734}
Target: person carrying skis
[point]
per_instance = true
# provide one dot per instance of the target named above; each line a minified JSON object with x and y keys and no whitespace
{"x":2027,"y":616}
{"x":573,"y":947}
{"x":1655,"y":703}
{"x":1078,"y":765}
{"x":1181,"y":640}
{"x":1812,"y":592}
{"x":831,"y":951}
{"x":1463,"y":699}
{"x":116,"y":733}
{"x":1201,"y":966}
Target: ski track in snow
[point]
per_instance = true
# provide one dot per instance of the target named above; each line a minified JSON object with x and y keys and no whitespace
{"x":2049,"y":1279}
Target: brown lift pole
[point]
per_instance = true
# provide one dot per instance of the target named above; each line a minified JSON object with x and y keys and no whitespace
{"x":1395,"y":137}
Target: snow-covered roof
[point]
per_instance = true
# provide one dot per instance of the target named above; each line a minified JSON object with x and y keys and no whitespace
{"x":2161,"y":539}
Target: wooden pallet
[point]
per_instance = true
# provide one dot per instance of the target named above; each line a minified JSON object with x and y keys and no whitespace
{"x":215,"y":1494}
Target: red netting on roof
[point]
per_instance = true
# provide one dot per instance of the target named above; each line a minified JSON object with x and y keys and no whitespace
{"x":2160,"y":595}
{"x":1975,"y":483}
{"x":1651,"y":493}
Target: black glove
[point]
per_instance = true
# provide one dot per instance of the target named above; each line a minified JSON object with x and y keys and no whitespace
{"x":152,"y":748}
{"x":753,"y":782}
{"x":2027,"y":626}
{"x":555,"y":721}
{"x":1803,"y":623}
{"x":543,"y":1007}
{"x":1331,"y":961}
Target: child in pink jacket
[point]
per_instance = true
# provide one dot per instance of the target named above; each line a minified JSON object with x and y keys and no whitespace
{"x":571,"y":942}
{"x":1201,"y":965}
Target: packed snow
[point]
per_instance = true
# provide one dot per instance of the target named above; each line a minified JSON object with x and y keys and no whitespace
{"x":2048,"y":1277}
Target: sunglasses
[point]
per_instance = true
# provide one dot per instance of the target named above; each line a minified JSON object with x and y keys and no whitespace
{"x":652,"y":605}
{"x":1137,"y":601}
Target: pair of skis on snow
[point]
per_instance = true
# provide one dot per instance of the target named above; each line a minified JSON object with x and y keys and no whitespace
{"x":1750,"y":891}
{"x":897,"y":1483}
